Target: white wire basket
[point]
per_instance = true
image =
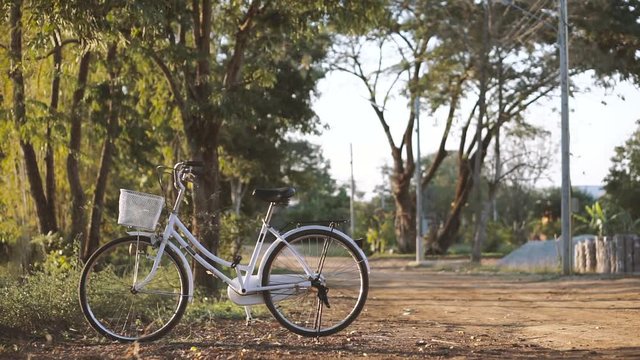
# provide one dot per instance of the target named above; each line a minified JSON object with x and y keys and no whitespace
{"x":139,"y":210}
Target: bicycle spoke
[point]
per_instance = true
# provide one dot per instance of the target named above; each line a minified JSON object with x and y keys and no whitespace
{"x":323,"y":256}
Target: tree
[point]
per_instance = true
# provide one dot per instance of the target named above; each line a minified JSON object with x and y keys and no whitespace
{"x":622,"y":183}
{"x":43,"y":198}
{"x":605,"y":37}
{"x":409,"y":30}
{"x":517,"y":72}
{"x":208,"y":62}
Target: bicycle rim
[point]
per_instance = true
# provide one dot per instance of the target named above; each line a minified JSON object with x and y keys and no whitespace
{"x":114,"y":309}
{"x":343,"y":278}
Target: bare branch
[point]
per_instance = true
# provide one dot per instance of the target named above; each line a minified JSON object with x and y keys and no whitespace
{"x":55,"y":48}
{"x":442,"y":152}
{"x":234,"y":65}
{"x":175,"y":90}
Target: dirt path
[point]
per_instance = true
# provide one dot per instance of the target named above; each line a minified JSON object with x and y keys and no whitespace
{"x":418,"y":313}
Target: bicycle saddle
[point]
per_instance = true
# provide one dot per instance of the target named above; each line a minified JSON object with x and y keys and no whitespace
{"x":278,"y":195}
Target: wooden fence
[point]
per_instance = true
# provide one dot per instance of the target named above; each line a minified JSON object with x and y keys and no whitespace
{"x":617,"y":254}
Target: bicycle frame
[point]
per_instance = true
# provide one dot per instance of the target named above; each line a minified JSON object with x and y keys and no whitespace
{"x":243,"y":284}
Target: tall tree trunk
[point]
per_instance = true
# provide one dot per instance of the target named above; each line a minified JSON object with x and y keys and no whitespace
{"x":202,"y":129}
{"x":449,"y":232}
{"x":49,"y":156}
{"x":78,"y":218}
{"x":108,"y":149}
{"x":206,"y":208}
{"x":46,"y":223}
{"x":238,"y":190}
{"x":405,"y":221}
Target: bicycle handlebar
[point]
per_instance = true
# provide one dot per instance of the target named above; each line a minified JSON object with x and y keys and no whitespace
{"x":181,"y":169}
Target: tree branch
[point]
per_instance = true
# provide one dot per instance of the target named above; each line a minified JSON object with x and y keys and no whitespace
{"x":175,"y":90}
{"x":55,"y":48}
{"x":242,"y":36}
{"x":442,"y":152}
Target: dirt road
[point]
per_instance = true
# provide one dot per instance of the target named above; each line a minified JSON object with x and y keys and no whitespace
{"x":423,"y":313}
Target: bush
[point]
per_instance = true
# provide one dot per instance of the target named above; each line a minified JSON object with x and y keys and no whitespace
{"x":43,"y":301}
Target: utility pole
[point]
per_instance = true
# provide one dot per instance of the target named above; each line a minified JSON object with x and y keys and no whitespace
{"x":419,"y":244}
{"x":563,"y":49}
{"x":353,"y":190}
{"x":567,"y":242}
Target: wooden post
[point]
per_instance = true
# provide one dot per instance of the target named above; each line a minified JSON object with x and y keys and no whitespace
{"x":600,"y":254}
{"x":613,"y":262}
{"x":603,"y":255}
{"x":629,"y":241}
{"x":578,"y":261}
{"x":590,"y":258}
{"x":636,"y":254}
{"x":620,"y":253}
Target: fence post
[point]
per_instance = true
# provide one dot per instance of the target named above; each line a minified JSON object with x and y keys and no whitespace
{"x":579,"y":263}
{"x":620,"y":253}
{"x":613,"y":258}
{"x":636,"y":254}
{"x":590,"y":258}
{"x":629,"y":241}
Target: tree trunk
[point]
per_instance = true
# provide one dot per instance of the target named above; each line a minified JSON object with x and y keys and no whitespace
{"x":206,"y":206}
{"x":49,"y":156}
{"x":108,"y":149}
{"x":202,"y":130}
{"x":78,"y":219}
{"x":238,"y":189}
{"x":480,"y":236}
{"x":405,"y":220}
{"x":449,"y":232}
{"x":46,"y":223}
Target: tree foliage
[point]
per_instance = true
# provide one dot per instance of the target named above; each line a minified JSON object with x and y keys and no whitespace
{"x":622,"y":183}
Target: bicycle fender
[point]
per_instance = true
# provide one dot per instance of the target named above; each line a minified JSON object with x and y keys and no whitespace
{"x":312,"y":227}
{"x":183,"y":259}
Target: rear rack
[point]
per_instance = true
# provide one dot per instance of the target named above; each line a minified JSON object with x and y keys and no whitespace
{"x":334,"y":224}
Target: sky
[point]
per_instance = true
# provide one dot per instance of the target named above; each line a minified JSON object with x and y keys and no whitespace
{"x":599,"y":121}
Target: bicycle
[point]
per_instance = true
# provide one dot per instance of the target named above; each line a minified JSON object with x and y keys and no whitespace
{"x":313,"y":279}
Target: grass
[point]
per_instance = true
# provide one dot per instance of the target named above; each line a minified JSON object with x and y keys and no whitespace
{"x":207,"y":309}
{"x":45,"y":302}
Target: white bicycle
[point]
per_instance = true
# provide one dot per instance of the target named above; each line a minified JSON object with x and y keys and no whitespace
{"x":313,"y":279}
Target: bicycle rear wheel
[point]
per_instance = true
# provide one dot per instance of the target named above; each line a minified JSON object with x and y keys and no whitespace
{"x":118,"y":312}
{"x":335,"y":295}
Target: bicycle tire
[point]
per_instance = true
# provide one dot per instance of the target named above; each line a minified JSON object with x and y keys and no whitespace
{"x":110,"y":305}
{"x":344,"y":276}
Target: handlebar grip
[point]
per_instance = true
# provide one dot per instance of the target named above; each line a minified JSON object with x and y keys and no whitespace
{"x":193,"y":163}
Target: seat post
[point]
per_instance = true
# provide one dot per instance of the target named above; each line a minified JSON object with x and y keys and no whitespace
{"x":267,"y":219}
{"x":270,"y":211}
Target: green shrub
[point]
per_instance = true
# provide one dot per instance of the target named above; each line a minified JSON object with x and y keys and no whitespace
{"x":43,"y":301}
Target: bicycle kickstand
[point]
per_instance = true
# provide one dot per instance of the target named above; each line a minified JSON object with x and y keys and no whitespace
{"x":247,"y":311}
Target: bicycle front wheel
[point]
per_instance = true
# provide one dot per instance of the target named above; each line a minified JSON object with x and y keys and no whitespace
{"x":328,"y":301}
{"x":114,"y":308}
